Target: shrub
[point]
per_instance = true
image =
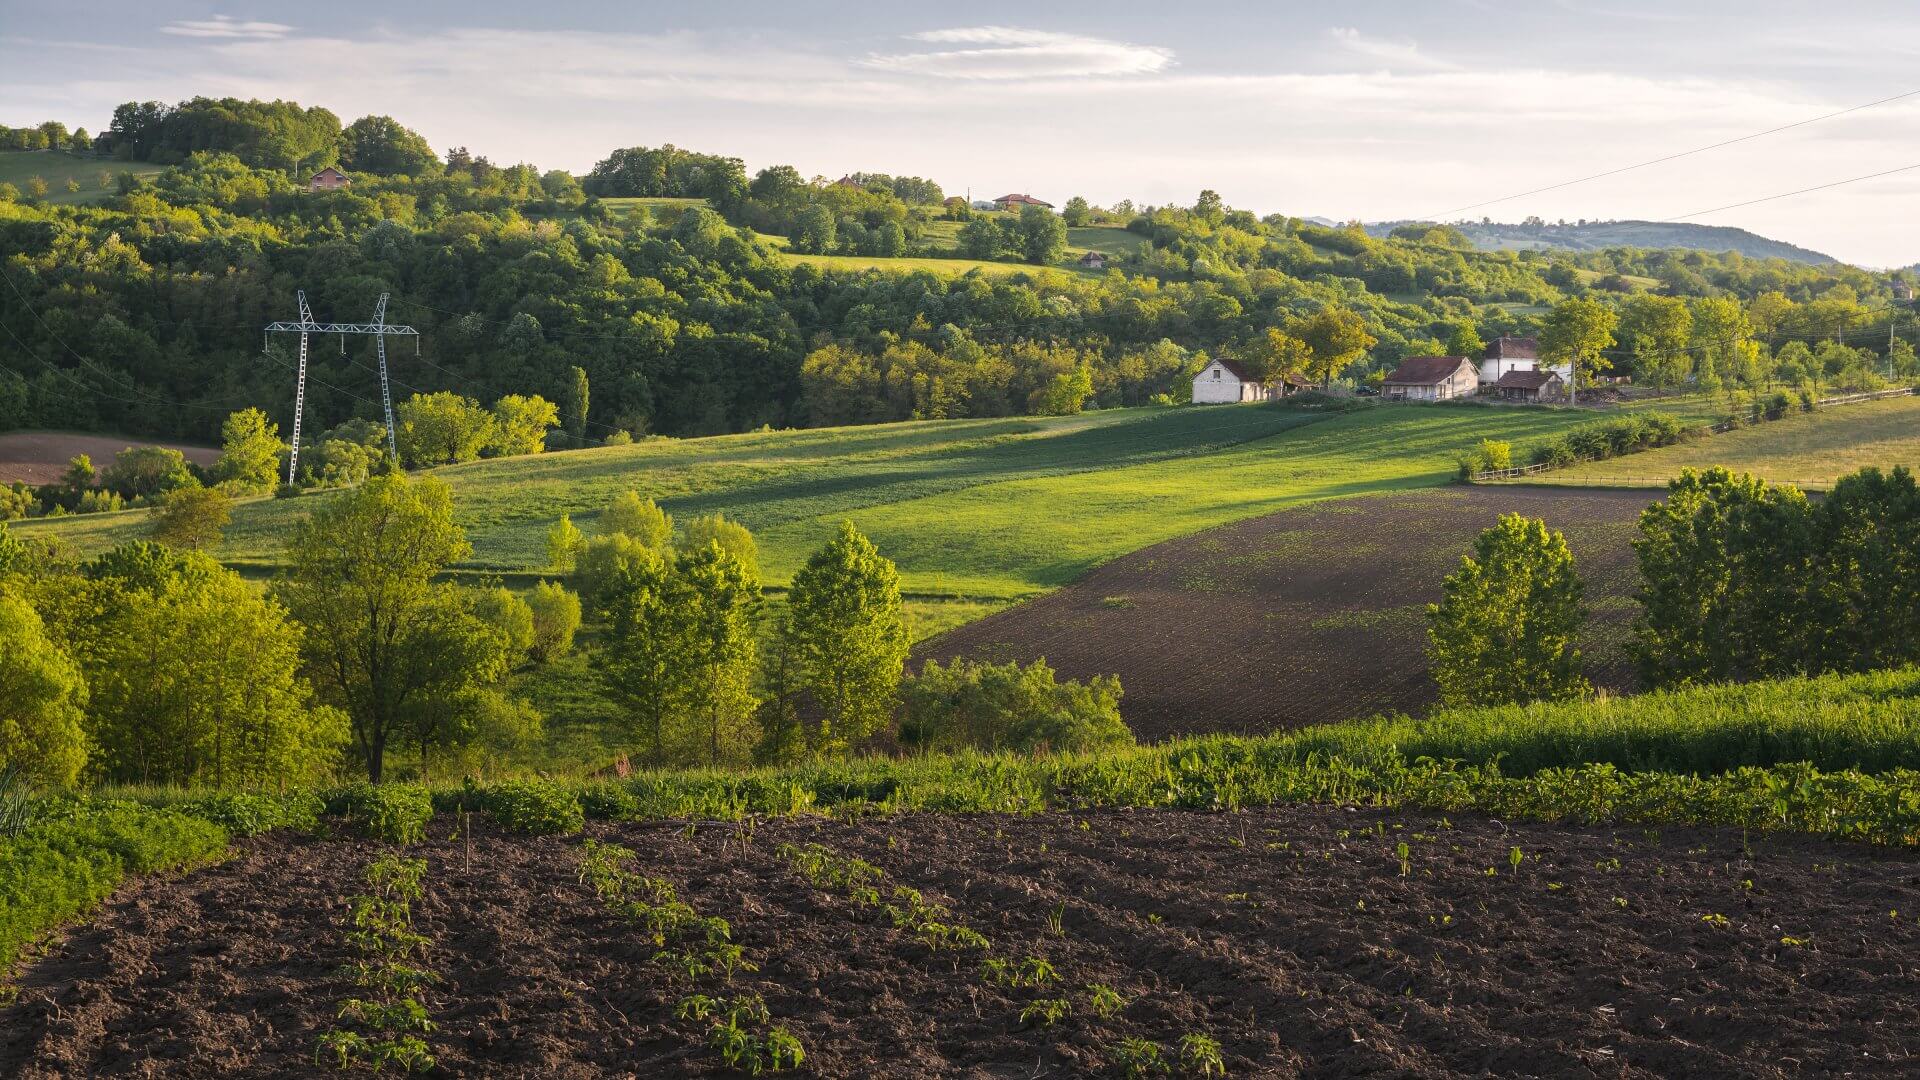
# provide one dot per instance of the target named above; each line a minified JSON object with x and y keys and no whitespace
{"x":540,"y":807}
{"x":395,"y":813}
{"x":609,"y":802}
{"x":58,"y":870}
{"x":246,"y":813}
{"x":1008,"y":707}
{"x":556,"y":618}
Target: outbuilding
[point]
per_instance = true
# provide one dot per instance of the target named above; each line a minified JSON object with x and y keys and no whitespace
{"x":1094,"y":260}
{"x":1223,"y":381}
{"x":1532,"y":384}
{"x":1432,"y":378}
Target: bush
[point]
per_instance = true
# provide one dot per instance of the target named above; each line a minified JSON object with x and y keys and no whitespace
{"x":609,"y":802}
{"x":59,"y":870}
{"x":246,"y":813}
{"x":1611,"y":438}
{"x":395,"y":813}
{"x":540,"y":807}
{"x":1008,"y":707}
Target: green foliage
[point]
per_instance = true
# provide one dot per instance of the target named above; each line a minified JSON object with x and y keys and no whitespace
{"x":539,"y":807}
{"x":508,"y":616}
{"x":250,"y":451}
{"x":520,"y":425}
{"x":732,"y":536}
{"x":556,"y":618}
{"x":250,"y":813}
{"x":564,"y":542}
{"x":638,"y":519}
{"x":379,"y":145}
{"x":1043,"y":235}
{"x":393,"y":813}
{"x":392,"y":1020}
{"x":442,"y":428}
{"x":1006,"y":707}
{"x":147,"y":472}
{"x":192,"y":517}
{"x":58,"y":870}
{"x":1577,"y":333}
{"x":42,"y":698}
{"x":845,"y":635}
{"x":1599,"y":440}
{"x":1505,"y":630}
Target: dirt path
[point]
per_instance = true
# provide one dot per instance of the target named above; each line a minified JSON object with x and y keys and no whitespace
{"x":1293,"y":936}
{"x":1306,"y":616}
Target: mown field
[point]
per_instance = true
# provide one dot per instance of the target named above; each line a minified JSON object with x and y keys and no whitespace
{"x":974,"y":509}
{"x":1809,"y":449}
{"x":1311,"y":615}
{"x":57,"y":167}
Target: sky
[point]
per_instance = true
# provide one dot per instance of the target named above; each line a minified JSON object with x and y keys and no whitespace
{"x":1372,"y":110}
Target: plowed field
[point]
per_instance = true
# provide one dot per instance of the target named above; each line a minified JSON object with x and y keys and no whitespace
{"x":1295,"y":937}
{"x":1304,"y":616}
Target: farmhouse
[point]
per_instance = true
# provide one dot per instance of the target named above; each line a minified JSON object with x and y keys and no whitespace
{"x":1515,"y":354}
{"x":1531,"y":385}
{"x":1432,"y":378}
{"x":328,"y":179}
{"x":1094,"y":260}
{"x":1224,"y":381}
{"x":1017,"y":203}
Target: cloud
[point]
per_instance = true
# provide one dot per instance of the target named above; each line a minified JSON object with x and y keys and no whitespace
{"x":228,"y":29}
{"x":1399,"y":54}
{"x":1007,"y":52}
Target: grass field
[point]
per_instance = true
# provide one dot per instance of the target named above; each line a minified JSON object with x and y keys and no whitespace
{"x":665,"y":210}
{"x":57,"y":167}
{"x":982,"y":509}
{"x":1809,"y":449}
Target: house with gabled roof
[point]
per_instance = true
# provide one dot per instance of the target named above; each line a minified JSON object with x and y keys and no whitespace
{"x":1432,"y":378}
{"x":1018,"y":202}
{"x":1531,"y":384}
{"x":1506,"y":354}
{"x":328,"y":179}
{"x":1224,"y":381}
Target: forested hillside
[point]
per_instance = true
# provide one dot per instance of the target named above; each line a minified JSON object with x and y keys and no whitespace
{"x":1538,"y":235}
{"x":143,"y":311}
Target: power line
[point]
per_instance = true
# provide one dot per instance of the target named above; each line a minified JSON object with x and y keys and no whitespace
{"x":1790,"y":194}
{"x":1673,"y":157}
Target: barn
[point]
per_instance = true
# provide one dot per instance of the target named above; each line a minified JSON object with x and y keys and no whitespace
{"x":1532,"y":384}
{"x":1224,"y":381}
{"x":1432,"y":378}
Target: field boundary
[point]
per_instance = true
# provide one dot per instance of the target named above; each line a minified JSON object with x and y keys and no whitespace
{"x":1719,"y":428}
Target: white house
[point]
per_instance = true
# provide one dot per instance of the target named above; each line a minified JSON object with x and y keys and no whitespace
{"x":1432,"y":378}
{"x":1224,"y":381}
{"x":1516,"y":354}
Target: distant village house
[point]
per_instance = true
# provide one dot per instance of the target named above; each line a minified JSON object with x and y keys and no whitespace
{"x":328,"y":179}
{"x":1432,"y":378}
{"x":1224,"y":382}
{"x":1094,"y":260}
{"x":1017,"y":203}
{"x":1531,"y":385}
{"x":1515,"y":354}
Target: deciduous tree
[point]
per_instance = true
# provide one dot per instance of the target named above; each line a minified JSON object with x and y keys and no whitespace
{"x":846,"y":638}
{"x":1505,"y":631}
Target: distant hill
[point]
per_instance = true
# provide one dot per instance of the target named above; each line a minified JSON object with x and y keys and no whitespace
{"x":1595,"y":235}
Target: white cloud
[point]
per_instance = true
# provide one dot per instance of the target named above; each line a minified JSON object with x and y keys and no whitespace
{"x":1007,"y":52}
{"x":227,"y":28}
{"x":1398,"y":54}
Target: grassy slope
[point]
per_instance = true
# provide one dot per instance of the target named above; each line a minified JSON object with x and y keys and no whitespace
{"x":978,"y":508}
{"x":56,"y":168}
{"x":1810,"y":449}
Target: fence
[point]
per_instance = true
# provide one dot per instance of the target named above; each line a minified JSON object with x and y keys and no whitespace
{"x":1715,"y":429}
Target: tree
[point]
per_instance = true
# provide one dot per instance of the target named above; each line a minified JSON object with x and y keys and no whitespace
{"x":1657,"y":329}
{"x":1504,"y":632}
{"x":441,"y":428}
{"x":564,"y":542}
{"x":1076,"y":212}
{"x":1577,"y":333}
{"x":814,"y":230}
{"x":520,"y":425}
{"x":1335,"y":337}
{"x":642,"y":661}
{"x":1722,"y":337}
{"x":732,"y":536}
{"x":42,"y":699}
{"x":1727,"y":581}
{"x":717,"y":601}
{"x":379,"y":145}
{"x":1043,"y":236}
{"x":981,"y":238}
{"x":603,"y":561}
{"x":556,"y":618}
{"x":846,"y":638}
{"x":250,"y":451}
{"x":192,"y":518}
{"x":1065,"y":393}
{"x":1275,"y":355}
{"x":380,"y":633}
{"x":508,"y":616}
{"x":640,"y":519}
{"x":575,"y":406}
{"x":1867,"y":540}
{"x":1464,"y":339}
{"x":146,"y":472}
{"x":996,"y":707}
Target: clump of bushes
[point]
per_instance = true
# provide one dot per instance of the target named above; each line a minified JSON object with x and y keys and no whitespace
{"x":1612,"y":437}
{"x":1491,"y":455}
{"x":248,"y":813}
{"x":540,"y":807}
{"x":1008,"y":707}
{"x":57,"y":870}
{"x":395,"y":813}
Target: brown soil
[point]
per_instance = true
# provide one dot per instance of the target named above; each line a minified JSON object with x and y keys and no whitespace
{"x":1306,"y":616}
{"x":1291,"y":935}
{"x":39,"y":457}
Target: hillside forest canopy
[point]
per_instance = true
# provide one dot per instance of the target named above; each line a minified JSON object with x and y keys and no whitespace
{"x":653,"y":291}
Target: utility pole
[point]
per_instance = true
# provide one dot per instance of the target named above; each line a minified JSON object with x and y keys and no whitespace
{"x":379,"y":328}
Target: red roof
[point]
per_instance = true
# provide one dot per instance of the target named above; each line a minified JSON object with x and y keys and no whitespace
{"x":1426,"y":370}
{"x":1022,"y":200}
{"x":1527,"y":379}
{"x":1514,"y":348}
{"x":1234,"y":369}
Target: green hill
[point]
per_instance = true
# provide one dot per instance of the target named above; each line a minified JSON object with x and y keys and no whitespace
{"x":57,"y":167}
{"x":1600,"y":235}
{"x":980,"y":509}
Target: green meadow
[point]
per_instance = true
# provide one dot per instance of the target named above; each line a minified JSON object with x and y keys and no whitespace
{"x":980,"y":510}
{"x":56,"y":167}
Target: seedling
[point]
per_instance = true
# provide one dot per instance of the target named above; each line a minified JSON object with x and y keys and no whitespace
{"x":1515,"y":858}
{"x":1716,"y":920}
{"x":1104,"y":1001}
{"x":1406,"y":861}
{"x":1139,"y":1058}
{"x":1044,"y":1012}
{"x":1200,"y":1053}
{"x":1056,"y":918}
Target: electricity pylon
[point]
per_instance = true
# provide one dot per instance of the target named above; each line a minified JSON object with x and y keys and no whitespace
{"x":306,"y":327}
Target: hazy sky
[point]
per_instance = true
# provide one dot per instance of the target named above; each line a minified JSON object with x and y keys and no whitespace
{"x":1374,"y":110}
